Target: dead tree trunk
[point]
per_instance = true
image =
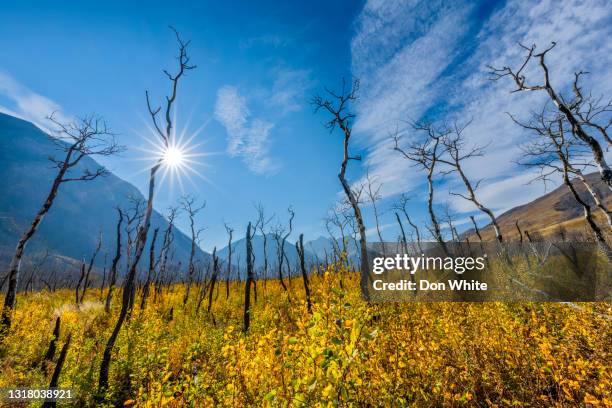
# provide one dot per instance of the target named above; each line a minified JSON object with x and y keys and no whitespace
{"x":249,"y":280}
{"x":162,"y":260}
{"x":476,"y":230}
{"x":112,"y":278}
{"x":342,"y":119}
{"x":144,"y":229}
{"x":404,"y":241}
{"x":455,"y":146}
{"x":88,"y":272}
{"x":426,"y":155}
{"x":571,"y":111}
{"x":147,"y":284}
{"x":230,"y":231}
{"x":300,"y":250}
{"x":50,"y":354}
{"x":213,"y":279}
{"x":103,"y":285}
{"x":188,"y":206}
{"x":89,"y":137}
{"x":598,"y":203}
{"x":58,"y":370}
{"x":78,"y":285}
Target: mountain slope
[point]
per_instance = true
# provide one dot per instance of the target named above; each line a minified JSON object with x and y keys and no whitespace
{"x":550,"y":212}
{"x":81,"y":211}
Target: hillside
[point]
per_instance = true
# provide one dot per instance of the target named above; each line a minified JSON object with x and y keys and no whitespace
{"x":551,"y":212}
{"x":80,"y":212}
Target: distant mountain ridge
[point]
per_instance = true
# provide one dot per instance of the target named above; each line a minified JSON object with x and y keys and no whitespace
{"x":547,"y":214}
{"x":81,"y":210}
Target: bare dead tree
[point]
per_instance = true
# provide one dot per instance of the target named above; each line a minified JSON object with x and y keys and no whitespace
{"x":458,"y":152}
{"x":338,"y":108}
{"x":213,"y":279}
{"x":112,"y":277}
{"x":262,"y":223}
{"x":37,"y":264}
{"x":166,"y":138}
{"x":103,"y":285}
{"x":403,"y":239}
{"x":373,"y":193}
{"x":579,"y":112}
{"x":477,"y":231}
{"x":58,"y":370}
{"x":150,"y":271}
{"x":426,"y":155}
{"x":162,"y":259}
{"x":280,"y":237}
{"x":190,"y":207}
{"x":402,"y":205}
{"x":87,"y":137}
{"x":300,"y":250}
{"x":575,"y":153}
{"x":133,"y":219}
{"x":50,"y":354}
{"x":336,"y":218}
{"x":448,"y":215}
{"x":249,"y":279}
{"x":85,"y":273}
{"x":552,"y":153}
{"x":518,"y":229}
{"x":229,"y":231}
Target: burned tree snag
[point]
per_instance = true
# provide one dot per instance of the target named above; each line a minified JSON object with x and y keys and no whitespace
{"x":300,"y":251}
{"x":50,"y":354}
{"x":476,"y":230}
{"x":337,"y":109}
{"x":249,"y":280}
{"x":58,"y":370}
{"x":230,"y":231}
{"x":189,"y":207}
{"x":112,"y":277}
{"x":166,"y":138}
{"x":87,"y":137}
{"x":213,"y":279}
{"x":426,"y":155}
{"x":579,"y":113}
{"x":88,"y":272}
{"x":455,"y":147}
{"x":147,"y":284}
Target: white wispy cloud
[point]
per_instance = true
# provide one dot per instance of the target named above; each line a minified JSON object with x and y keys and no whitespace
{"x":21,"y":102}
{"x":405,"y":54}
{"x":290,"y":89}
{"x":247,"y":137}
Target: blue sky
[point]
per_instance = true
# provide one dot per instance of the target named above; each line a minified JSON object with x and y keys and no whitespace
{"x":258,"y":66}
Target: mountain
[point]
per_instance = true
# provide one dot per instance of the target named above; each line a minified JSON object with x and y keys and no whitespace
{"x":239,"y":254}
{"x":81,"y":210}
{"x":549,"y":213}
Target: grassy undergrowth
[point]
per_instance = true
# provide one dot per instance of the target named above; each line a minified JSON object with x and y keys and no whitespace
{"x":347,"y":353}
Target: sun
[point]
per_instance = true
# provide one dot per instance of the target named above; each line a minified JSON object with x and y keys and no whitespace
{"x":173,"y":156}
{"x":177,"y":158}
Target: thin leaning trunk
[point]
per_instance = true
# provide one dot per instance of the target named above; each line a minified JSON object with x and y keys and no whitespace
{"x":128,"y":285}
{"x":15,"y":264}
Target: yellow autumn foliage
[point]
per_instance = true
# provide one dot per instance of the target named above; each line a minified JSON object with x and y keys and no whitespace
{"x":346,"y":353}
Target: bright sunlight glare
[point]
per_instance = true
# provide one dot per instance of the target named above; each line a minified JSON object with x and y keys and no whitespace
{"x":174,"y":156}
